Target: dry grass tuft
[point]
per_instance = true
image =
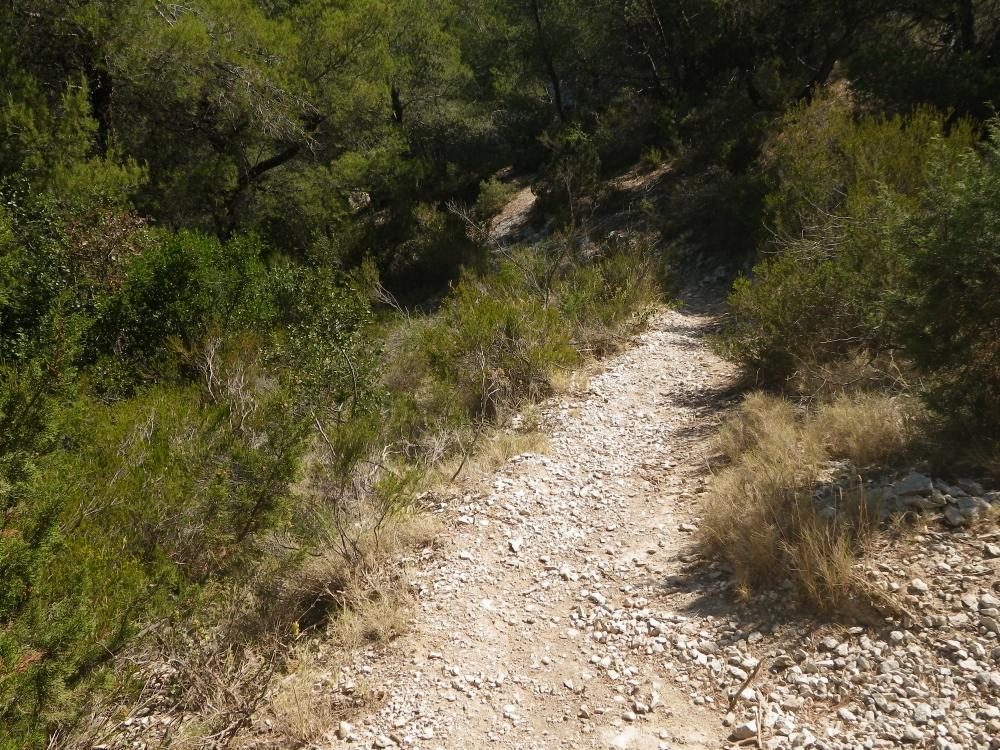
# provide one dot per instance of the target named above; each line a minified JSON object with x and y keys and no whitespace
{"x":490,"y":452}
{"x":383,"y":616}
{"x":346,"y":575}
{"x":760,"y":416}
{"x":297,"y":713}
{"x":852,"y":375}
{"x":867,"y":429}
{"x":760,"y":516}
{"x":569,"y":380}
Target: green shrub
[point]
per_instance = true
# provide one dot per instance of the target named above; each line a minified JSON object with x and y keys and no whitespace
{"x":715,"y":213}
{"x":844,"y":187}
{"x":499,"y":339}
{"x":146,"y":499}
{"x":494,"y":195}
{"x":949,"y":315}
{"x":494,"y":347}
{"x":609,"y":297}
{"x":34,"y":267}
{"x":117,"y":512}
{"x":571,"y":172}
{"x":178,"y":289}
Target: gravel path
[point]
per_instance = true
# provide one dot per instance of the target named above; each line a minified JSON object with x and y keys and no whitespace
{"x":568,"y":609}
{"x":534,"y":628}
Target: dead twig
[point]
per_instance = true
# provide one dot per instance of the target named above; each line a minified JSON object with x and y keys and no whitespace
{"x":746,"y":683}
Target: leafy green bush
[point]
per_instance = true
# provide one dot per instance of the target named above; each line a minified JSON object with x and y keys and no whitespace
{"x":34,"y":267}
{"x":714,"y":212}
{"x":116,"y":512}
{"x":494,"y":346}
{"x":180,"y":288}
{"x":570,"y":173}
{"x":493,"y":197}
{"x":500,"y":339}
{"x":949,"y":316}
{"x":145,"y":500}
{"x":609,"y":297}
{"x":36,"y":629}
{"x":844,"y":187}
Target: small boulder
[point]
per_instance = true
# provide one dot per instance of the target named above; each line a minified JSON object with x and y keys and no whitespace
{"x":743,"y":731}
{"x":345,"y":731}
{"x":912,"y":735}
{"x":913,"y":483}
{"x":972,"y":507}
{"x":953,"y":516}
{"x":970,"y":486}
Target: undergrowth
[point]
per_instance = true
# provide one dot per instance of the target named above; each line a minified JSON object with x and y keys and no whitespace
{"x":760,"y":516}
{"x":505,"y":339}
{"x":320,"y":550}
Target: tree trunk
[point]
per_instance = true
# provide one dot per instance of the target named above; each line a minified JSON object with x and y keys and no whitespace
{"x":966,"y":17}
{"x":822,"y":74}
{"x":397,"y":105}
{"x":100,"y":91}
{"x":550,"y":67}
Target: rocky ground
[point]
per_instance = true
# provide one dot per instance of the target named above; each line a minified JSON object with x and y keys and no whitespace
{"x":569,"y":608}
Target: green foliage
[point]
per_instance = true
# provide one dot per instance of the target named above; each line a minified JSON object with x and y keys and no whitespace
{"x":37,"y":629}
{"x":179,"y":288}
{"x":950,"y":309}
{"x":843,"y":186}
{"x":32,"y":270}
{"x":187,"y":190}
{"x":495,"y":347}
{"x":149,"y":498}
{"x":432,"y":249}
{"x":610,"y":296}
{"x":117,"y":513}
{"x":494,"y":195}
{"x":571,"y":171}
{"x":502,"y":339}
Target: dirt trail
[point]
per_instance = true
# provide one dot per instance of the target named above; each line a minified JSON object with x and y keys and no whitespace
{"x":532,"y":629}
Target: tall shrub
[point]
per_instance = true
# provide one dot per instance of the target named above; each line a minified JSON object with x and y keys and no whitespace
{"x":842,"y":188}
{"x":949,"y":319}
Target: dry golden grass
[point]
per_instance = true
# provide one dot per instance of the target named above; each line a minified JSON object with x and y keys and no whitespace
{"x":488,"y":454}
{"x":759,"y":513}
{"x":569,"y":380}
{"x":760,"y":416}
{"x":297,"y":714}
{"x":356,"y":565}
{"x":866,"y":429}
{"x":852,"y":375}
{"x":383,"y":616}
{"x":304,"y":706}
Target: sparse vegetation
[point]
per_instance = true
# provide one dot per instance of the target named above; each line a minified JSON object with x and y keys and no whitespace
{"x":504,"y":339}
{"x":760,"y":513}
{"x":869,"y":297}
